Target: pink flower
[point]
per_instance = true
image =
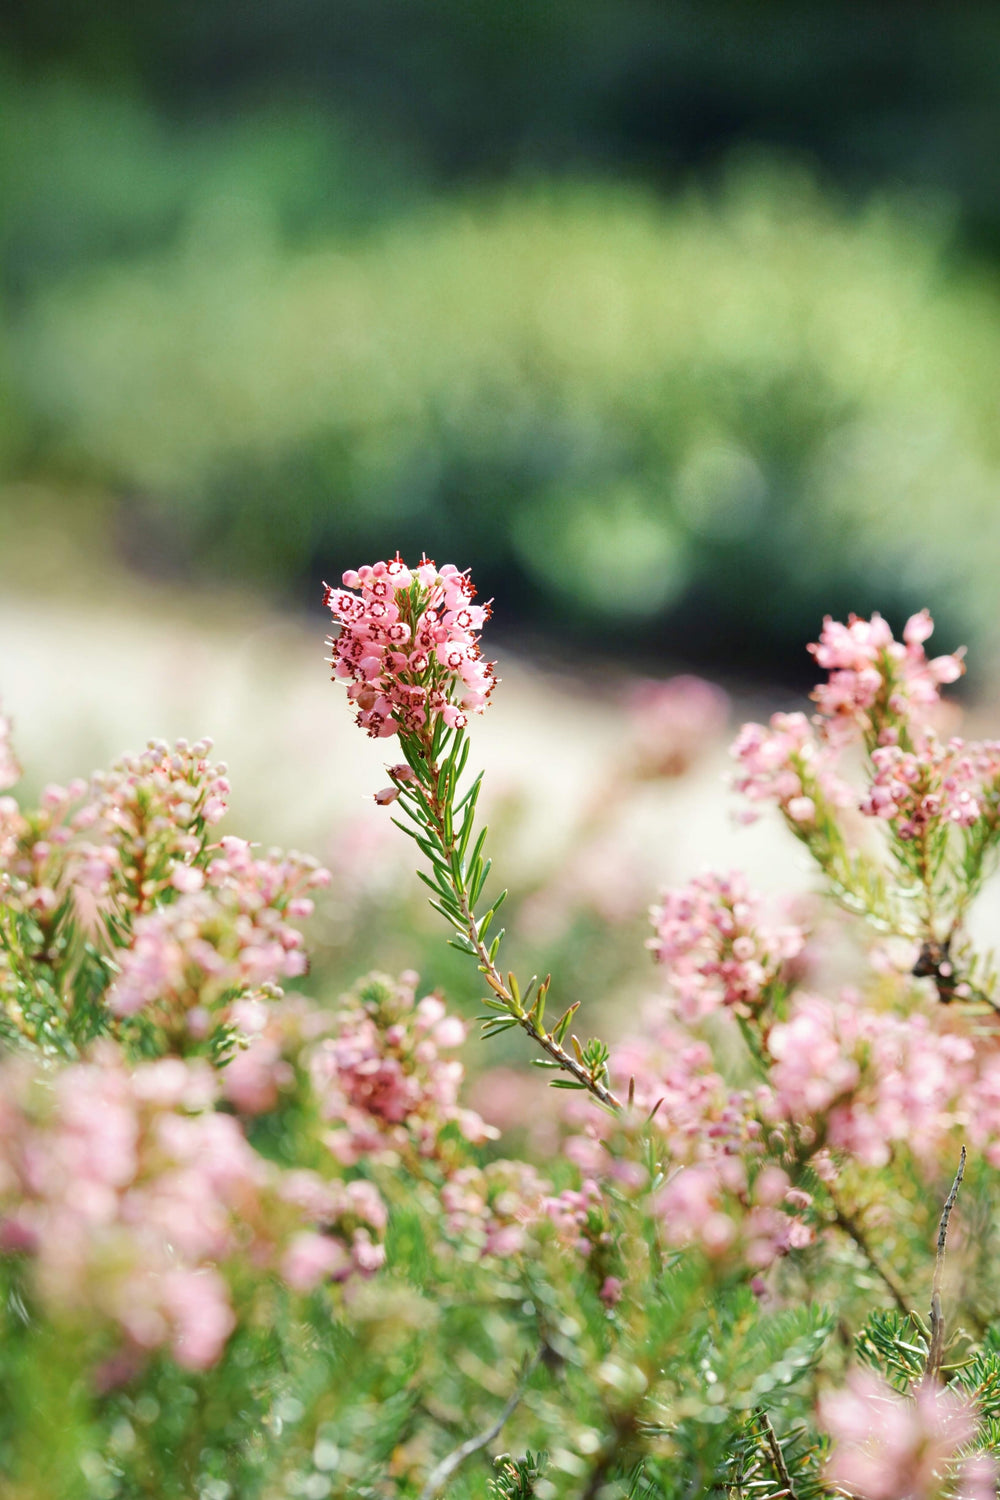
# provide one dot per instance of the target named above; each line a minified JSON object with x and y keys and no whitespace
{"x":867,"y":1080}
{"x":784,"y":762}
{"x":715,"y":946}
{"x":869,"y":669}
{"x":226,"y":931}
{"x":380,"y":1076}
{"x":888,"y":1447}
{"x":408,"y":647}
{"x":312,"y":1258}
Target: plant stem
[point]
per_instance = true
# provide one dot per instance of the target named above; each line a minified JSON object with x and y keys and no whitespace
{"x":434,"y":806}
{"x":850,"y":1226}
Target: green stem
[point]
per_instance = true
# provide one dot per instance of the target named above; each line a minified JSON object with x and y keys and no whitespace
{"x":436,"y":806}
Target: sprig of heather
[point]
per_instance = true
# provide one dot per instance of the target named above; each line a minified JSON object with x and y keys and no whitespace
{"x":409,"y":651}
{"x":935,"y":801}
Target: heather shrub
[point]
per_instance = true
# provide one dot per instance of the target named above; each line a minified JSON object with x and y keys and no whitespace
{"x":258,"y":1239}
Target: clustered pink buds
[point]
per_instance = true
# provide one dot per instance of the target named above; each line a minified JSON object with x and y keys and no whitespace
{"x":887,"y":1446}
{"x":940,"y":785}
{"x":868,"y":667}
{"x":228,"y":931}
{"x":784,"y":763}
{"x":718,"y":950}
{"x":121,"y":841}
{"x":408,"y":646}
{"x":381,"y":1079}
{"x":128,"y":1194}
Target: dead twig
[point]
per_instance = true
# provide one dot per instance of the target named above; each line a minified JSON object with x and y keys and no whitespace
{"x":935,"y":1353}
{"x":443,"y":1471}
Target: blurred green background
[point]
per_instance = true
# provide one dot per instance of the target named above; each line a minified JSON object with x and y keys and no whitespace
{"x":679,"y":323}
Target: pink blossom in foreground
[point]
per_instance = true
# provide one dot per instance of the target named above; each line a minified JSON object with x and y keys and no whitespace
{"x":716,"y":947}
{"x":408,"y":646}
{"x":128,"y":1195}
{"x":868,"y":667}
{"x":890,"y":1447}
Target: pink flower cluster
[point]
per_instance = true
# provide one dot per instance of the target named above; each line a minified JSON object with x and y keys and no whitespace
{"x":275,"y":1035}
{"x":493,"y":1208}
{"x":890,"y":1447}
{"x":864,"y":1080}
{"x":349,"y":1213}
{"x":712,"y":939}
{"x":940,"y":785}
{"x":784,"y":763}
{"x":408,"y":646}
{"x":120,"y":841}
{"x":125,"y":1191}
{"x":506,"y":1207}
{"x":380,"y":1077}
{"x":228,"y":930}
{"x":868,"y":667}
{"x":715,"y":1205}
{"x":724,"y":1191}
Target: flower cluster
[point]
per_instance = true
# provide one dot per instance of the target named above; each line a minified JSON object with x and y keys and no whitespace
{"x":719,"y":952}
{"x":408,"y":646}
{"x":725,"y":1190}
{"x":865,"y":1080}
{"x":886,"y":1446}
{"x":121,"y":841}
{"x":714,"y":1204}
{"x":380,"y":1077}
{"x":274,"y":1036}
{"x":940,"y":785}
{"x":125,"y":1191}
{"x":228,"y":931}
{"x":153,"y":809}
{"x":869,"y":669}
{"x":784,"y":763}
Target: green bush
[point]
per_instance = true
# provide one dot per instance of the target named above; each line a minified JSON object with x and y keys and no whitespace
{"x":753,"y":405}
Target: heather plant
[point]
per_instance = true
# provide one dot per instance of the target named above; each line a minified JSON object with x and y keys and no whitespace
{"x":257,"y":1240}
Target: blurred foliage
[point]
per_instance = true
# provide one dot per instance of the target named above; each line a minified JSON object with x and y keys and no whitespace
{"x":482,"y":89}
{"x":739,"y":410}
{"x":285,"y":288}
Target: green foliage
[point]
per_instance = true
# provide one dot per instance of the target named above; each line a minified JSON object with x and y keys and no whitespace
{"x":752,"y":398}
{"x":893,"y":1345}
